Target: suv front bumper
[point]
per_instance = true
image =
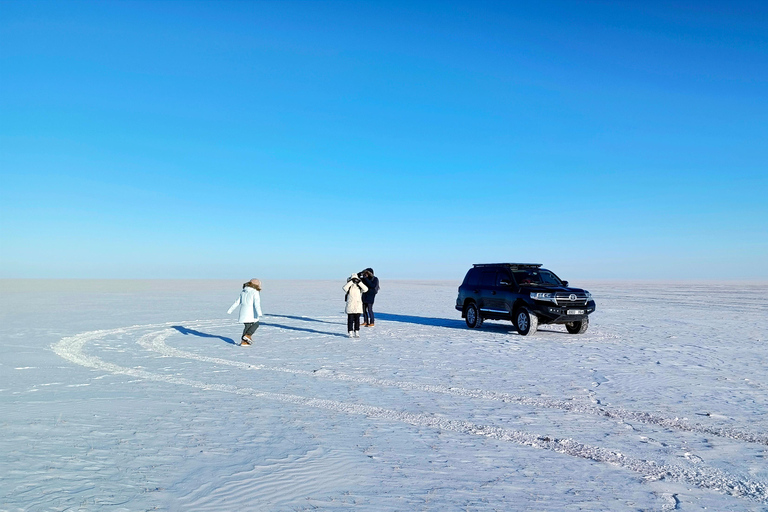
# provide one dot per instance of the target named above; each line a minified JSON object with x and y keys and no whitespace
{"x":554,"y":314}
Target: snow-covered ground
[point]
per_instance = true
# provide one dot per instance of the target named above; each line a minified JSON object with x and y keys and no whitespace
{"x":130,"y":395}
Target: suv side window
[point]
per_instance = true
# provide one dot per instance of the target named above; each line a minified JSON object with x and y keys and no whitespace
{"x":522,"y":277}
{"x":473,"y":277}
{"x":503,"y":276}
{"x":488,"y":278}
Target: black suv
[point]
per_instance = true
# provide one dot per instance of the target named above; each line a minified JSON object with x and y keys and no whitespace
{"x":524,"y":293}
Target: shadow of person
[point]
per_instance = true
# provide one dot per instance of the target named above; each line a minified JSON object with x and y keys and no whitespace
{"x":183,"y":330}
{"x":302,"y":329}
{"x":303,"y":318}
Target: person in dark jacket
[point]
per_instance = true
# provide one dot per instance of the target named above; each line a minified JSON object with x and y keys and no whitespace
{"x":372,"y":282}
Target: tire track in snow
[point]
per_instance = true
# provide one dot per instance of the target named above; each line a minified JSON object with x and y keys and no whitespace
{"x":71,"y":349}
{"x":155,"y":341}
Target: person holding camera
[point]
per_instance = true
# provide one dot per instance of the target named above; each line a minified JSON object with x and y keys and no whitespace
{"x":354,"y":289}
{"x":372,"y":282}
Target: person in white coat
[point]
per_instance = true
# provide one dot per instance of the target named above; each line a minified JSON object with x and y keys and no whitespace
{"x":354,"y":289}
{"x":250,"y":309}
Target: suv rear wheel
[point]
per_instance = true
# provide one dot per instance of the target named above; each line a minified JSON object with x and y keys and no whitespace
{"x":472,"y":315}
{"x":526,"y":322}
{"x":577,"y":327}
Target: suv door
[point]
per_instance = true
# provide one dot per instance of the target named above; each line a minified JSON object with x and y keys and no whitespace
{"x":507,"y":291}
{"x":493,"y":299}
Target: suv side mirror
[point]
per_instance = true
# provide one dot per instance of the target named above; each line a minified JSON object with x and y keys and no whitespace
{"x":565,"y":283}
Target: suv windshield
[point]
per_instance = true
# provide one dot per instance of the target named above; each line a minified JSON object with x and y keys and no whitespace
{"x":536,"y":277}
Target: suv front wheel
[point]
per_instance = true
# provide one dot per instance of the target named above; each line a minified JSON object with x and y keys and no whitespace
{"x":526,"y":322}
{"x":577,"y":327}
{"x":472,"y":315}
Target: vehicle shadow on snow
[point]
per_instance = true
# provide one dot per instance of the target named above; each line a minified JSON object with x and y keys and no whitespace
{"x":422,"y":320}
{"x":183,"y":330}
{"x":488,"y":326}
{"x":443,"y":322}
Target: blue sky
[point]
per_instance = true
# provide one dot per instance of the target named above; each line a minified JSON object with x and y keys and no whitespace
{"x":312,"y":139}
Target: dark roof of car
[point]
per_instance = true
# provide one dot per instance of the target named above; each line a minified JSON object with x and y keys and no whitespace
{"x":512,"y":265}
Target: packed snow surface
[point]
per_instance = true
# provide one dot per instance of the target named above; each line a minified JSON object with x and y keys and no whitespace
{"x":132,"y":395}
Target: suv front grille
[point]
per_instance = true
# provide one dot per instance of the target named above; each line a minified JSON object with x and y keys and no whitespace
{"x":571,"y":299}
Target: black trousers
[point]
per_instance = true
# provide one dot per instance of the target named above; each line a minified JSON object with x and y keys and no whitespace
{"x":368,"y":313}
{"x":250,"y":328}
{"x":353,"y":321}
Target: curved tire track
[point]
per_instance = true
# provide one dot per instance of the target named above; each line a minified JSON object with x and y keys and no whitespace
{"x":72,"y":349}
{"x":155,"y":341}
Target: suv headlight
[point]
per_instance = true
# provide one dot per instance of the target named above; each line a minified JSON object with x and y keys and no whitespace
{"x":544,"y":297}
{"x":589,"y":296}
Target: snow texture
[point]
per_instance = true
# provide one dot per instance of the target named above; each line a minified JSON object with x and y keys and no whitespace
{"x":132,"y":395}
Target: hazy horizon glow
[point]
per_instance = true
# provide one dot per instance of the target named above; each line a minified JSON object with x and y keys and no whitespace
{"x":312,"y":139}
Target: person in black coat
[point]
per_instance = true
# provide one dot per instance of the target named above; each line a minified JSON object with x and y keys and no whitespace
{"x":372,"y":282}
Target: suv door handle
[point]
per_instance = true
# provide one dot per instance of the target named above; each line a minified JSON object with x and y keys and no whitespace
{"x":493,"y":293}
{"x":476,"y":291}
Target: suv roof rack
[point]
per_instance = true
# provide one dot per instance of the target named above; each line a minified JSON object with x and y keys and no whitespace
{"x":513,"y":265}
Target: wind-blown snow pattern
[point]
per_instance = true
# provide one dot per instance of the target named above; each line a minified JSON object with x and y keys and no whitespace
{"x":420,"y":414}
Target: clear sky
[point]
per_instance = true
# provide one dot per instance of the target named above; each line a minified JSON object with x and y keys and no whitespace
{"x":313,"y":139}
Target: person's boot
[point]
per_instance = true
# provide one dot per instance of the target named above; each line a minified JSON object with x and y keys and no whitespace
{"x":246,"y":340}
{"x":357,"y":334}
{"x":351,"y":334}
